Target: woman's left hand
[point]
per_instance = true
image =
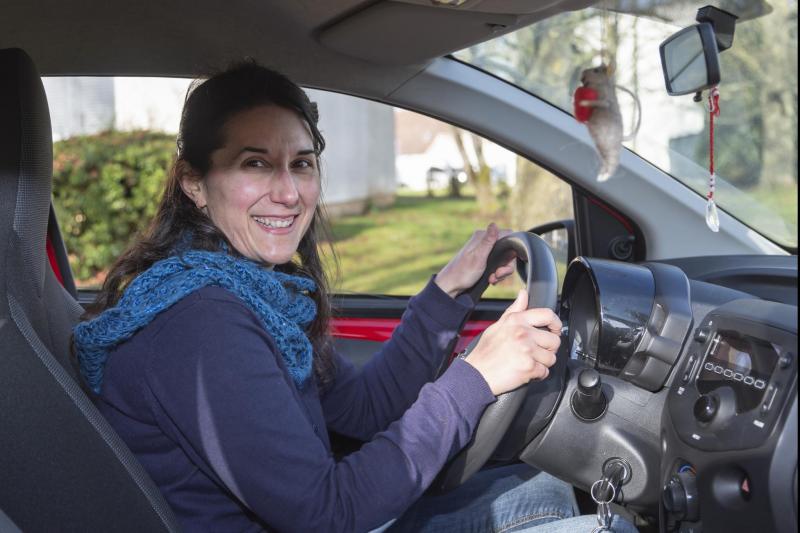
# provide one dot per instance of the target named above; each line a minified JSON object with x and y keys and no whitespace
{"x":466,"y":268}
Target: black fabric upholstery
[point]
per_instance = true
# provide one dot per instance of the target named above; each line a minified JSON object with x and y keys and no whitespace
{"x":62,"y":468}
{"x":35,"y":172}
{"x":6,"y":525}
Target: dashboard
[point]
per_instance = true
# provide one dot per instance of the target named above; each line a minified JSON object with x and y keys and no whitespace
{"x":691,"y":385}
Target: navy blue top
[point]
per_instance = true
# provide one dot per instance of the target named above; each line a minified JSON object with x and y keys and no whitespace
{"x":206,"y":405}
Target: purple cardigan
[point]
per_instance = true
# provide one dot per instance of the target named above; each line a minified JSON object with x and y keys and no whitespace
{"x":204,"y":403}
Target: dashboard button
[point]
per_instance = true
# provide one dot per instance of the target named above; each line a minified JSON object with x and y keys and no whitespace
{"x":769,"y":398}
{"x":674,"y":497}
{"x":679,"y":497}
{"x":689,"y":368}
{"x":701,"y":335}
{"x":786,"y":360}
{"x":705,"y":408}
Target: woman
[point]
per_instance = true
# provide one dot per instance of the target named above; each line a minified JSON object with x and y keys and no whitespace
{"x":209,"y":354}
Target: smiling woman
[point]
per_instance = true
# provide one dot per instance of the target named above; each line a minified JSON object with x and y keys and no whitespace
{"x":209,"y":342}
{"x":218,"y":184}
{"x":263,"y":185}
{"x":214,"y":390}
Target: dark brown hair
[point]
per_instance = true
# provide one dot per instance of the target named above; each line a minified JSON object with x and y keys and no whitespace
{"x":178,"y":222}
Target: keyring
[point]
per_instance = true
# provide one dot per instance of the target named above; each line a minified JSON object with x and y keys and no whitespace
{"x":606,"y":518}
{"x":597,"y":500}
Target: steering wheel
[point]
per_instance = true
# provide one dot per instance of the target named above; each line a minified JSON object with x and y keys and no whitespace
{"x":542,"y":283}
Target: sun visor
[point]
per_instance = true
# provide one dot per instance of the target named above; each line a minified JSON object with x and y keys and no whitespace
{"x":409,"y":32}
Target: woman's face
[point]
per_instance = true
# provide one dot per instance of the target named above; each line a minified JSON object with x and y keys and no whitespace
{"x":263,"y":185}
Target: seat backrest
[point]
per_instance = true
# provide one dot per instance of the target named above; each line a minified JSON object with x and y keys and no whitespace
{"x":62,"y":467}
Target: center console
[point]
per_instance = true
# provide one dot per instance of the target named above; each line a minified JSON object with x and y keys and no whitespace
{"x":737,"y":377}
{"x":727,"y":410}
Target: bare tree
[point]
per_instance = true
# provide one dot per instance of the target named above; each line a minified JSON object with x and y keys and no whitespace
{"x":478,"y":172}
{"x":768,"y":55}
{"x":541,"y":62}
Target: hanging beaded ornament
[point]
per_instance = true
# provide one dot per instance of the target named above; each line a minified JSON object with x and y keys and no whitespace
{"x":712,"y":215}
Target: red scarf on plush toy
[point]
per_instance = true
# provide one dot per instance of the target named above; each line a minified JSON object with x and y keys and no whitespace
{"x":583,"y":112}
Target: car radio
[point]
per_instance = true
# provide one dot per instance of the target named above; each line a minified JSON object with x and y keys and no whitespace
{"x":734,"y":383}
{"x":741,"y":362}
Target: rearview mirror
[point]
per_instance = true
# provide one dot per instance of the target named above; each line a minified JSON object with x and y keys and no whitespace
{"x":690,"y":59}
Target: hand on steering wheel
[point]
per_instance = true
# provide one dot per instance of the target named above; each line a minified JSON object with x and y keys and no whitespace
{"x":467,"y":266}
{"x":542,"y":286}
{"x":514,"y":350}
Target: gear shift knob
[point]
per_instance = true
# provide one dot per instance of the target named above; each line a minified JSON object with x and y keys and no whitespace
{"x":588,"y":401}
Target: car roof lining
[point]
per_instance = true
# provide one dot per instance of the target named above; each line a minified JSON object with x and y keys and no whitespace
{"x":360,"y":47}
{"x":420,"y":31}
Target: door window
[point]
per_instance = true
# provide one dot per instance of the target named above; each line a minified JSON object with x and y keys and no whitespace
{"x":404,"y":191}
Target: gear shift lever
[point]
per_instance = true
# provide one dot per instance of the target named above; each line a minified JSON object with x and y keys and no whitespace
{"x":588,"y":401}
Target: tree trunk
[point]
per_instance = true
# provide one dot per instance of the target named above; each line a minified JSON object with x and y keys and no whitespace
{"x":487,"y":203}
{"x":778,"y":101}
{"x":538,"y":197}
{"x":455,"y":185}
{"x":462,"y":151}
{"x":479,"y":175}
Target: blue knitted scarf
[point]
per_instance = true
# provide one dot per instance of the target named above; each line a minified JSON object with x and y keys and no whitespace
{"x":278,"y":299}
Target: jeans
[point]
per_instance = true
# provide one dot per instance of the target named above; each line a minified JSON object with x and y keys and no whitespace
{"x":515,"y":498}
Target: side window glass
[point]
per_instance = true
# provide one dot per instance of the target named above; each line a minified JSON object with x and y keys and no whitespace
{"x":406,"y":192}
{"x":113,"y":144}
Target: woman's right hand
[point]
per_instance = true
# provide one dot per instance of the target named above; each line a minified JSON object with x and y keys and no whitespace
{"x":519,"y":347}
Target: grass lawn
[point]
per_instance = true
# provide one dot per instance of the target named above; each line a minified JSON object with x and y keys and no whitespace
{"x":396,"y":250}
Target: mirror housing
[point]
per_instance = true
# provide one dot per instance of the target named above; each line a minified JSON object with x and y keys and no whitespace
{"x":690,"y":60}
{"x":723,"y":23}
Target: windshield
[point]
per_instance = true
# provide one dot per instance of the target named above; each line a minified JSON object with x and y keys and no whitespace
{"x":755,"y":136}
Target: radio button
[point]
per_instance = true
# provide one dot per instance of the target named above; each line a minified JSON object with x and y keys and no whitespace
{"x":679,"y":496}
{"x":689,"y":368}
{"x":769,"y":398}
{"x":786,"y":360}
{"x":701,"y":335}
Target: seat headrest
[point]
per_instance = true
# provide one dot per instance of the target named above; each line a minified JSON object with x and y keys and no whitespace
{"x":26,"y":163}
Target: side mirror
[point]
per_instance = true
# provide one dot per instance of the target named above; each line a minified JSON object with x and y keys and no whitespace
{"x":690,"y":60}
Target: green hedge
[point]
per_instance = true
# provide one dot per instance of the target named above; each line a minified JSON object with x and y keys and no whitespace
{"x":106,"y":188}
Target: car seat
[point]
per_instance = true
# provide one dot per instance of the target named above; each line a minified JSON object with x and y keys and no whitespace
{"x":62,"y":467}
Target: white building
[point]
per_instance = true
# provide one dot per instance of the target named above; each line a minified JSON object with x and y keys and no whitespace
{"x":424,"y":144}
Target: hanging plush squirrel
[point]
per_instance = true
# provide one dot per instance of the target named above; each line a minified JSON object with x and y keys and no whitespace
{"x":596,"y":105}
